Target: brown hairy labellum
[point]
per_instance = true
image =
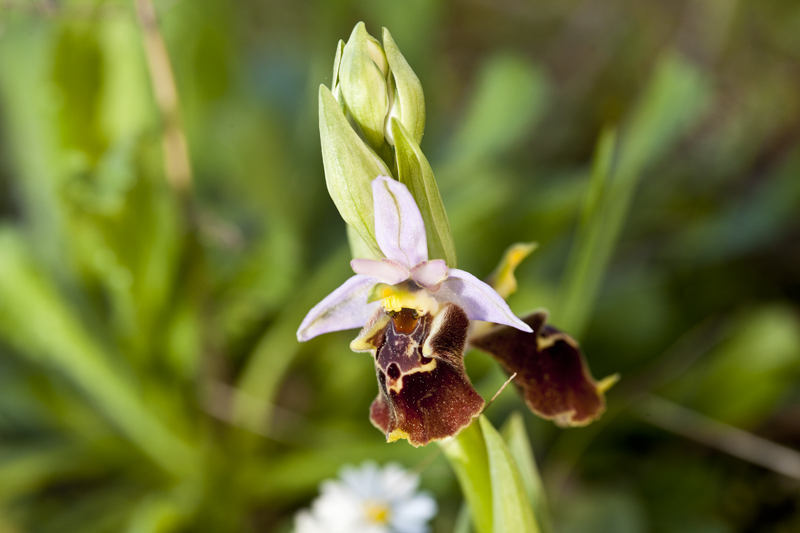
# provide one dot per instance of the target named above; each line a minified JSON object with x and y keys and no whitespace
{"x":551,"y":371}
{"x":425,"y":394}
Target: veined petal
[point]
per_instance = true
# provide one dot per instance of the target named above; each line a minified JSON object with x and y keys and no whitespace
{"x":399,"y":229}
{"x":430,"y":274}
{"x":385,"y":270}
{"x":344,"y":308}
{"x":478,"y":299}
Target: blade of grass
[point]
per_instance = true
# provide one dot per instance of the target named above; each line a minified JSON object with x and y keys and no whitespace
{"x":35,"y":319}
{"x":277,"y":347}
{"x":470,"y":462}
{"x":670,"y":106}
{"x":511,"y":509}
{"x":519,"y":446}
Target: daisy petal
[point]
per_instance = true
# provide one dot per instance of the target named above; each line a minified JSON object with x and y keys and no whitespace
{"x":478,"y":300}
{"x":399,"y":229}
{"x":384,"y":269}
{"x":344,"y":308}
{"x":430,"y":274}
{"x":413,"y":513}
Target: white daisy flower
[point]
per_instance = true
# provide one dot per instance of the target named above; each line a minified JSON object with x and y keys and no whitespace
{"x":369,"y":499}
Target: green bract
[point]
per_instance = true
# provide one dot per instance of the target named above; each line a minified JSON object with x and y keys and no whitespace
{"x":371,"y":123}
{"x":414,"y":171}
{"x":406,"y":101}
{"x":350,"y":166}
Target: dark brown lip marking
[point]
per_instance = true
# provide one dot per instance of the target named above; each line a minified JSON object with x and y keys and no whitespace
{"x":422,"y":398}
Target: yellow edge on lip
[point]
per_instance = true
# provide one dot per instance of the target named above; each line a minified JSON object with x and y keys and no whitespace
{"x":396,"y":435}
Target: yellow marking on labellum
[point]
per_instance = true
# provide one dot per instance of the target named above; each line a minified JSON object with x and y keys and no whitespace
{"x":392,"y":303}
{"x":365,"y":340}
{"x":396,"y":435}
{"x":544,"y":343}
{"x":419,"y":301}
{"x":398,"y":384}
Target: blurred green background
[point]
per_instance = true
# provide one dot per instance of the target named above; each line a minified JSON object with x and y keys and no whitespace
{"x":150,"y":379}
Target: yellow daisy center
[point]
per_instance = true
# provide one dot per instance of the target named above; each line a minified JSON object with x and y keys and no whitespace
{"x":377,"y":512}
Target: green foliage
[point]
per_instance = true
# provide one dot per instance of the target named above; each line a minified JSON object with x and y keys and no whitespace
{"x":414,"y":171}
{"x":516,"y":437}
{"x":150,"y":379}
{"x":469,"y":458}
{"x":511,"y":510}
{"x":749,"y":373}
{"x":501,"y":487}
{"x":671,"y":104}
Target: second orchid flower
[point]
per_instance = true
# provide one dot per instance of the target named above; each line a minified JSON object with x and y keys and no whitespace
{"x":415,"y":315}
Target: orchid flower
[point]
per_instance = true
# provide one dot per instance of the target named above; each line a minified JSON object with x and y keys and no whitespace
{"x":405,"y":278}
{"x":415,"y":314}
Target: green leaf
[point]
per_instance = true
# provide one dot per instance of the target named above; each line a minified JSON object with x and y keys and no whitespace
{"x":746,"y":376}
{"x":350,"y":167}
{"x":409,"y":104}
{"x":582,"y":275}
{"x":490,"y":480}
{"x":35,"y":319}
{"x":278,"y":345}
{"x":510,"y":97}
{"x":516,"y":438}
{"x":463,"y":523}
{"x":358,"y":248}
{"x":337,"y":62}
{"x":416,"y":174}
{"x":511,"y":509}
{"x":468,"y":457}
{"x":670,"y":106}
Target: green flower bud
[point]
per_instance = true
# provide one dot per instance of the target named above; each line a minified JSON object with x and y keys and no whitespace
{"x":362,"y":81}
{"x":372,"y":120}
{"x":375,"y":84}
{"x":335,"y":87}
{"x":406,"y":100}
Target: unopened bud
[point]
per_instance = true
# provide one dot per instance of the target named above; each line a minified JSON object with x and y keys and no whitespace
{"x":406,"y":100}
{"x":362,"y":81}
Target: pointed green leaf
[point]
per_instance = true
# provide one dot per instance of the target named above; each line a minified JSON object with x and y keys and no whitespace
{"x":510,"y":97}
{"x":337,"y":63}
{"x":36,"y":319}
{"x":519,"y":446}
{"x":467,"y":456}
{"x":511,"y":509}
{"x":350,"y":167}
{"x":463,"y":522}
{"x":358,"y":248}
{"x":409,"y":100}
{"x":671,"y":105}
{"x":416,"y":174}
{"x":582,"y":274}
